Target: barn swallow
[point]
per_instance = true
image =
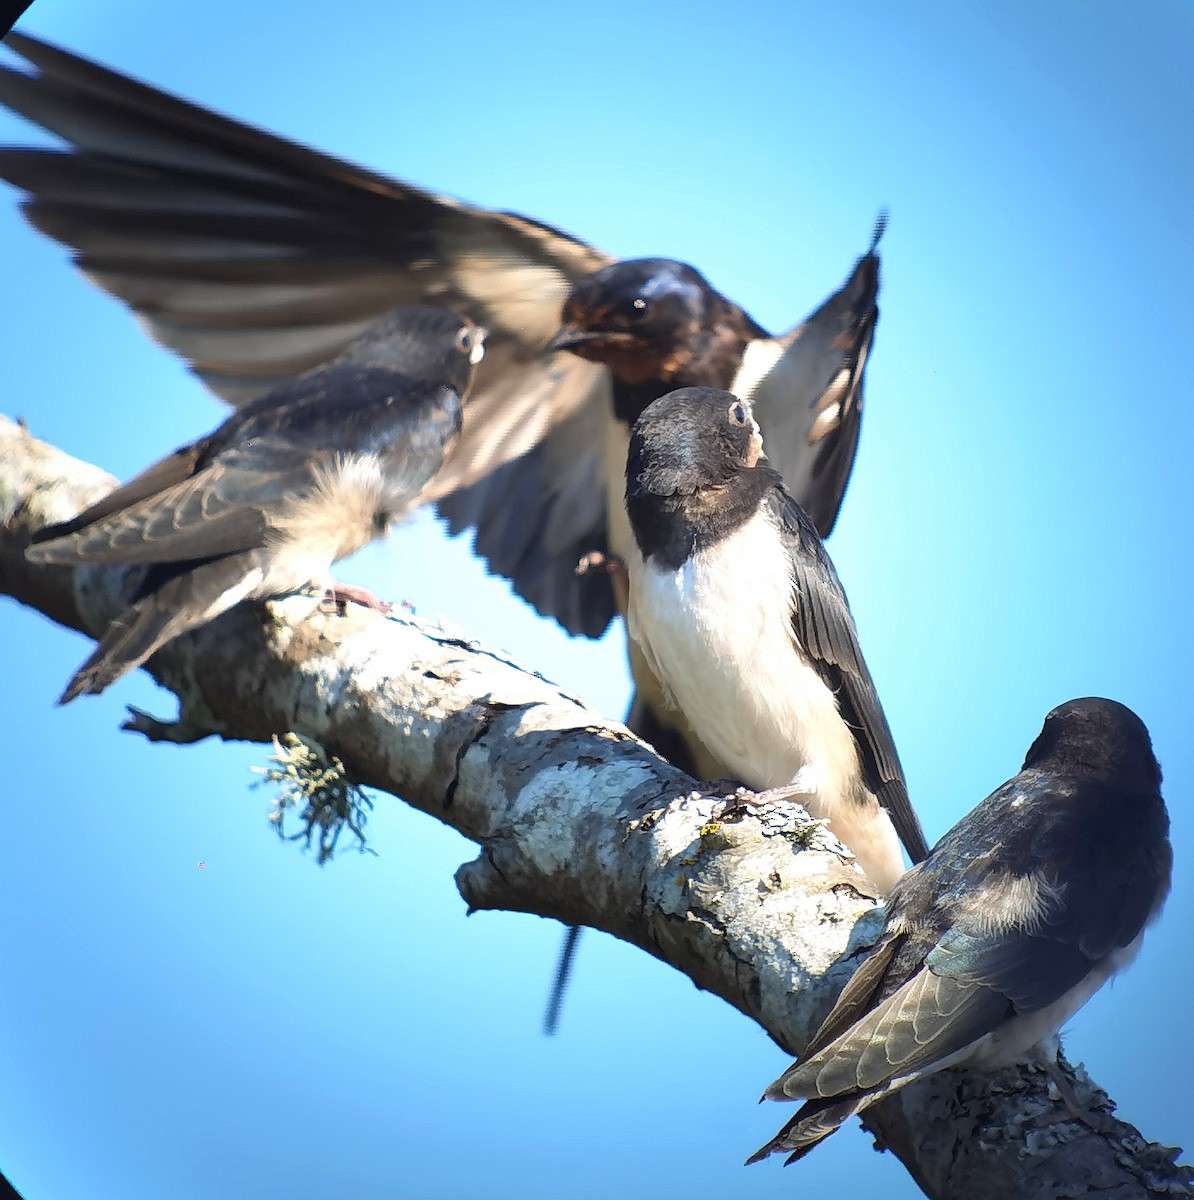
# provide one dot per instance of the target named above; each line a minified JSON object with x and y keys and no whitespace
{"x":257,"y":259}
{"x":737,"y":609}
{"x":1019,"y":915}
{"x":289,"y":483}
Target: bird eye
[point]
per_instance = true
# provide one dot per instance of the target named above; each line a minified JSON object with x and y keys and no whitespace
{"x":738,"y":414}
{"x":637,"y":309}
{"x":471,"y":341}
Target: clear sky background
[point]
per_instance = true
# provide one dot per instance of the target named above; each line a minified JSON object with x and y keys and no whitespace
{"x":1016,"y":533}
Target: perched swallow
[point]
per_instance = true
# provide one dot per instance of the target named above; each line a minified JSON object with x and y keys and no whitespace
{"x":291,"y":482}
{"x":1020,"y":914}
{"x":739,"y":613}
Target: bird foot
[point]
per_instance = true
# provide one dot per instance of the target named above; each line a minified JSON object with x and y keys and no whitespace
{"x":1100,"y":1122}
{"x":742,"y":800}
{"x":736,"y":801}
{"x":337,"y":598}
{"x":186,"y":731}
{"x":614,"y":567}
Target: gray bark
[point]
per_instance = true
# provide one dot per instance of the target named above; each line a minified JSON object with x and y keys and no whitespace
{"x":578,"y":820}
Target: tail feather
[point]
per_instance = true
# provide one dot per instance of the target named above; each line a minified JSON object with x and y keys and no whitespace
{"x":811,"y":1125}
{"x":130,"y":640}
{"x":559,"y":985}
{"x":183,"y":602}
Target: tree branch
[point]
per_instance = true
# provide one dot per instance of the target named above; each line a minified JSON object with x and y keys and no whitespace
{"x":578,"y":820}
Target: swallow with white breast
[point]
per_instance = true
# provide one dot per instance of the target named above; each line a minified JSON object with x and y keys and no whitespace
{"x":738,"y":611}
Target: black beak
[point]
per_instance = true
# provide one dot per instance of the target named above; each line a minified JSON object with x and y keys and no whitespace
{"x":568,"y":338}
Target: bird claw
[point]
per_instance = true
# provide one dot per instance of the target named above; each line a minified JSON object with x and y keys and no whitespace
{"x":337,"y":598}
{"x":597,"y":560}
{"x":613,"y":566}
{"x":743,"y":801}
{"x":1100,"y":1122}
{"x":183,"y":732}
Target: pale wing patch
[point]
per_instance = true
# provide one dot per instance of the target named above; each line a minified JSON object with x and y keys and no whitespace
{"x":1008,"y":902}
{"x":270,"y":351}
{"x":829,"y":408}
{"x":758,"y":361}
{"x":787,"y":388}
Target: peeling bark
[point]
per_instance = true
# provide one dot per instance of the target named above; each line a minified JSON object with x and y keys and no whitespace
{"x":578,"y":820}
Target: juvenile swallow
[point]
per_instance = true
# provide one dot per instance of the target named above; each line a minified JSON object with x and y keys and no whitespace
{"x":291,"y":482}
{"x":257,"y":259}
{"x":738,"y":611}
{"x":1019,"y":915}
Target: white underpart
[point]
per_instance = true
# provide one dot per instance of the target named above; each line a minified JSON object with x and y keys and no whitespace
{"x":248,"y":585}
{"x":718,"y":634}
{"x":333,"y":518}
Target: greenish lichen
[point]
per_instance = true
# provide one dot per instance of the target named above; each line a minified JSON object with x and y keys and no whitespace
{"x":307,"y":776}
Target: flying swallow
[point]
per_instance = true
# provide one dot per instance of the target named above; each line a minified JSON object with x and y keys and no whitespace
{"x":289,"y":483}
{"x":257,"y":259}
{"x":738,"y":611}
{"x":1019,"y":915}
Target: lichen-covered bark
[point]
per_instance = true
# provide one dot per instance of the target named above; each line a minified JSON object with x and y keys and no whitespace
{"x":578,"y":820}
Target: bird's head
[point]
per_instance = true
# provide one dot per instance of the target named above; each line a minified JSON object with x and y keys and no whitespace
{"x":691,"y":440}
{"x":644,"y":318}
{"x":1093,"y":738}
{"x":433,"y":345}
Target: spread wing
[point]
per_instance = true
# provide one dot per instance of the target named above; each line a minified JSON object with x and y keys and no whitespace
{"x":537,"y":516}
{"x":256,"y":259}
{"x":809,"y":404}
{"x":825,"y":630}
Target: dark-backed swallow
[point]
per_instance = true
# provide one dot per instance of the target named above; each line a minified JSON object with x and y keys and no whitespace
{"x":1020,"y":914}
{"x":291,"y":482}
{"x":739,"y":613}
{"x":257,"y":259}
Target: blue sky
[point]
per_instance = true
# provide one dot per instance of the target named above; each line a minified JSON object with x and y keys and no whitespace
{"x":1016,"y":533}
